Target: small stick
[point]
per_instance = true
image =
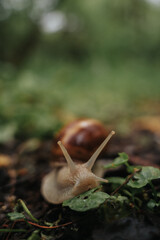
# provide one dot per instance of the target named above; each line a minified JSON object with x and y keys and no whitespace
{"x":126,"y":181}
{"x":41,"y":226}
{"x":8,"y":235}
{"x":34,"y":224}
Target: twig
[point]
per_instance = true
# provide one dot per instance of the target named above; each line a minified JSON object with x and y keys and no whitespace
{"x":126,"y":181}
{"x":34,"y":224}
{"x":8,"y":235}
{"x":41,"y":226}
{"x":5,"y":225}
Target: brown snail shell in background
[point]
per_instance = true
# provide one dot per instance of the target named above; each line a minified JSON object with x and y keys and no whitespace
{"x":81,"y":138}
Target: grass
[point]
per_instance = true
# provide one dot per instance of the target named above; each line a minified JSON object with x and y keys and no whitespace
{"x":37,"y":99}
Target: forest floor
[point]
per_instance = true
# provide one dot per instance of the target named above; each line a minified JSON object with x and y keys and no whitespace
{"x":24,"y":164}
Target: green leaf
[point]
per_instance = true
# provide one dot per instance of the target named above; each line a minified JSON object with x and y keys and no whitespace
{"x":122,"y":159}
{"x":86,"y":201}
{"x":123,"y":156}
{"x":116,"y":180}
{"x":46,"y":237}
{"x":15,"y":216}
{"x":151,"y":204}
{"x":34,"y":236}
{"x":122,"y":199}
{"x":116,"y":202}
{"x":142,"y":178}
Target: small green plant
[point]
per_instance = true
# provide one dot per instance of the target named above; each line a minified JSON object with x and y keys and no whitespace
{"x":87,"y":201}
{"x":137,"y":188}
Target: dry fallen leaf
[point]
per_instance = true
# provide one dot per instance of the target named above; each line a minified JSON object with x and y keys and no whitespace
{"x":5,"y":160}
{"x":150,"y":123}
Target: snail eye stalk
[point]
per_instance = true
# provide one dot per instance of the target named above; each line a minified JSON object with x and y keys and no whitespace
{"x":93,"y":158}
{"x":70,"y":162}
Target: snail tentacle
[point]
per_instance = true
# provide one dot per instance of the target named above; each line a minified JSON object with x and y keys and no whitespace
{"x":93,"y":158}
{"x":70,"y":162}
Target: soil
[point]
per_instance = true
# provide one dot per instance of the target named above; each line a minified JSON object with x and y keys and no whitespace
{"x":24,"y":164}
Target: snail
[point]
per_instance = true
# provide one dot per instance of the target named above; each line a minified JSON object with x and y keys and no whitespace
{"x":68,"y":181}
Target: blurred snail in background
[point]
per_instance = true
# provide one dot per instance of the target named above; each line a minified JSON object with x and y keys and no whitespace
{"x":72,"y":173}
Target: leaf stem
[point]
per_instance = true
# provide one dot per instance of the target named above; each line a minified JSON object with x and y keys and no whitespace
{"x":154,"y":190}
{"x":126,"y":181}
{"x":27,"y":211}
{"x":12,"y":230}
{"x":129,"y":167}
{"x":52,"y":227}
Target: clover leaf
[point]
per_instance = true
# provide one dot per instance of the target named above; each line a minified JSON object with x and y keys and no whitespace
{"x":86,"y":201}
{"x":15,"y":216}
{"x":145,"y":176}
{"x":122,"y":159}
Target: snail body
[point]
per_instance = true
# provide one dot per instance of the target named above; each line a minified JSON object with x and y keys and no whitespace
{"x":72,"y":179}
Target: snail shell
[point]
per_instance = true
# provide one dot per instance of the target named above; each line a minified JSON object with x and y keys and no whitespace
{"x":76,"y":177}
{"x":80,"y":138}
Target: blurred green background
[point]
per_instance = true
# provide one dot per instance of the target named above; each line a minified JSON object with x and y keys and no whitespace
{"x":65,"y":59}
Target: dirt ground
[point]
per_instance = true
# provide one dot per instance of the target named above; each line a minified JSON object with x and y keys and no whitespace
{"x":22,"y":167}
